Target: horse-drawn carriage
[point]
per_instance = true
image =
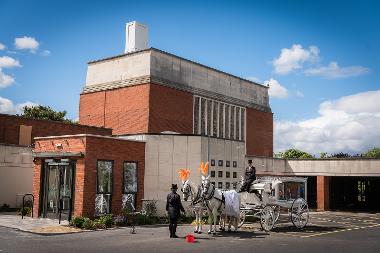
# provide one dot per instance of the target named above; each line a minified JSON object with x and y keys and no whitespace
{"x":269,"y":199}
{"x":273,"y":197}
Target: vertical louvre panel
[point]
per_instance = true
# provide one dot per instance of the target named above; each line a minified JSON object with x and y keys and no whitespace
{"x":243,"y":124}
{"x":227,"y":122}
{"x":221,"y":120}
{"x":232,"y":123}
{"x":203,"y":116}
{"x":196,"y":115}
{"x":209,"y":119}
{"x":215,"y":119}
{"x":237,"y":123}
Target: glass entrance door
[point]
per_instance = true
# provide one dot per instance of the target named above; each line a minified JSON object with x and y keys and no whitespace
{"x":58,"y":190}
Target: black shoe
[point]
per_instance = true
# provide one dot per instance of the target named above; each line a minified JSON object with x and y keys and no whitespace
{"x":174,"y":236}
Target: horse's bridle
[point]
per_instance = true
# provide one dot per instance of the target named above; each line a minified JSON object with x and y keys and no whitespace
{"x":198,"y":197}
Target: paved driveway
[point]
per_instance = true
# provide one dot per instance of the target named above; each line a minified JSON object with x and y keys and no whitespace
{"x":329,"y":232}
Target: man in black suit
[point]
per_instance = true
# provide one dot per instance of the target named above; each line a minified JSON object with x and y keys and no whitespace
{"x":173,"y":207}
{"x":249,"y":177}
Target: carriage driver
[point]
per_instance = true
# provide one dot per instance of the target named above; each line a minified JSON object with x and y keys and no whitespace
{"x":249,"y":177}
{"x":173,"y":207}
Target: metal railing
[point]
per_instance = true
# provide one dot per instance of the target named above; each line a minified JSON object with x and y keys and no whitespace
{"x":60,"y":208}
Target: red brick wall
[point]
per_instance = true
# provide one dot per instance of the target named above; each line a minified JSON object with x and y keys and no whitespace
{"x":10,"y":128}
{"x":259,"y":139}
{"x":323,"y":193}
{"x":146,"y":108}
{"x":95,"y":148}
{"x":125,"y":110}
{"x":170,"y":110}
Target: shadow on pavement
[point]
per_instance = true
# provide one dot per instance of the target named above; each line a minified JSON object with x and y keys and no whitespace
{"x":311,"y":229}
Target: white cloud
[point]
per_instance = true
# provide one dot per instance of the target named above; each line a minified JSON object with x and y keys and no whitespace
{"x":299,"y":94}
{"x":276,"y":90}
{"x":8,"y":62}
{"x":46,"y":53}
{"x":5,"y":80}
{"x":333,"y":71}
{"x":28,"y":43}
{"x":293,"y":58}
{"x":8,"y":107}
{"x":349,"y":124}
{"x":2,"y":46}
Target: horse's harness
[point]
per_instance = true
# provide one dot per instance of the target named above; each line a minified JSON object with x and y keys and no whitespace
{"x":211,"y":195}
{"x":197,"y":198}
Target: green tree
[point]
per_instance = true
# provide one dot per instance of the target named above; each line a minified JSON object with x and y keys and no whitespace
{"x":373,"y":153}
{"x":323,"y":155}
{"x":45,"y":112}
{"x":296,"y":154}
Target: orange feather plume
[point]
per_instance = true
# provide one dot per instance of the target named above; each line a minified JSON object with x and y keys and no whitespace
{"x":203,"y":168}
{"x":184,"y":174}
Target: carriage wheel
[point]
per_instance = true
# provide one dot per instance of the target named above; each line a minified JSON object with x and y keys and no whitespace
{"x":276,"y":210}
{"x":241,"y":218}
{"x":299,"y":213}
{"x":267,"y":218}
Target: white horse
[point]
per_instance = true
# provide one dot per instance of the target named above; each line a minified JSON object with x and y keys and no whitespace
{"x":189,"y":189}
{"x":214,"y":201}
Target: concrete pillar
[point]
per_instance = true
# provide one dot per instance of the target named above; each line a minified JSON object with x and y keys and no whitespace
{"x":323,"y":193}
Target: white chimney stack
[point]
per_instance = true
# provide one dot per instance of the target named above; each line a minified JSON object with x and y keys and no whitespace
{"x":136,"y":37}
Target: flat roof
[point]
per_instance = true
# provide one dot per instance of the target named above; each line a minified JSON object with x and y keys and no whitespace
{"x":176,"y":56}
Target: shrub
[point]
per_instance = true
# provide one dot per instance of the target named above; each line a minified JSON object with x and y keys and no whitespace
{"x":107,"y":220}
{"x":25,"y":211}
{"x":151,"y":208}
{"x":77,"y":221}
{"x":98,"y":225}
{"x":4,"y":208}
{"x":120,"y":220}
{"x":88,"y":224}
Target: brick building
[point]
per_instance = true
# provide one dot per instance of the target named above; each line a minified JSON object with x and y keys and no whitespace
{"x":166,"y":113}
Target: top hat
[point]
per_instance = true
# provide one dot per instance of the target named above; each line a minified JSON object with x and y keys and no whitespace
{"x":174,"y":187}
{"x":249,"y":161}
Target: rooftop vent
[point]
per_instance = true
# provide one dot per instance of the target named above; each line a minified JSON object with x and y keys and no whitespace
{"x":136,"y":37}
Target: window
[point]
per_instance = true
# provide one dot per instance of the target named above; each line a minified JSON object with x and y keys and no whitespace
{"x":196,"y":115}
{"x":212,"y":162}
{"x":237,"y":137}
{"x":213,"y":173}
{"x":129,"y":185}
{"x":215,"y":113}
{"x":220,"y":173}
{"x":209,"y":119}
{"x":227,"y":163}
{"x":103,"y":187}
{"x":228,"y":174}
{"x":213,"y":183}
{"x":218,"y":119}
{"x":221,"y":120}
{"x":234,"y":185}
{"x":203,"y":116}
{"x":232,"y":123}
{"x":227,"y":185}
{"x":242,"y":124}
{"x":234,"y":175}
{"x":220,"y":163}
{"x":220,"y":185}
{"x":234,"y":164}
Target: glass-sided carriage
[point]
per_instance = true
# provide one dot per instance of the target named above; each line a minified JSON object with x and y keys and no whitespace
{"x":276,"y":197}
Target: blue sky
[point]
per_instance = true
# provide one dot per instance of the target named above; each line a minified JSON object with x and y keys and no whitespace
{"x":316,"y":55}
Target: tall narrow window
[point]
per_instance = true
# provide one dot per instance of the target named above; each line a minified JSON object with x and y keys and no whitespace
{"x":196,"y":115}
{"x":237,"y":118}
{"x":103,"y":187}
{"x":129,"y":185}
{"x":215,"y":119}
{"x":221,"y":120}
{"x":232,"y":123}
{"x":203,"y":116}
{"x":227,"y":122}
{"x":209,"y":119}
{"x":242,"y":124}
